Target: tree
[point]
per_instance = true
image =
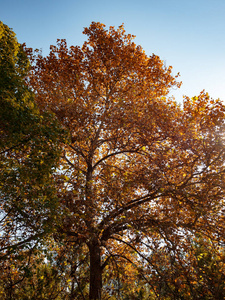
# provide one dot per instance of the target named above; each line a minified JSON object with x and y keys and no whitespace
{"x":139,"y":169}
{"x":33,"y":275}
{"x":29,"y":151}
{"x":193,"y":272}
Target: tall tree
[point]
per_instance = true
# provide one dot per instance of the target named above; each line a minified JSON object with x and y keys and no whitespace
{"x":29,"y":151}
{"x":139,"y":169}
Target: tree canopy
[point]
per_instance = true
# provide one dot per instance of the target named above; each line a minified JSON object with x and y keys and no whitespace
{"x":29,"y":151}
{"x":140,"y":169}
{"x":140,"y":180}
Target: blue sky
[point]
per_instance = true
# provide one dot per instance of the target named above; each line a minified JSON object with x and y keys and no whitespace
{"x":187,"y":34}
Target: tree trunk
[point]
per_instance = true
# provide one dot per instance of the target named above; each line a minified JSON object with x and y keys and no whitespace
{"x":95,"y":271}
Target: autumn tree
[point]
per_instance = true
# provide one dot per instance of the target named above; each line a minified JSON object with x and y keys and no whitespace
{"x":29,"y":151}
{"x":33,"y":275}
{"x":194,"y":271}
{"x":139,"y":170}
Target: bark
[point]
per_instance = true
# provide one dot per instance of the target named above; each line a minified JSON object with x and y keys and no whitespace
{"x":95,"y":271}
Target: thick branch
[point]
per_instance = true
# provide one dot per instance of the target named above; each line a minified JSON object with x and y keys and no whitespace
{"x":133,"y":203}
{"x":114,"y":154}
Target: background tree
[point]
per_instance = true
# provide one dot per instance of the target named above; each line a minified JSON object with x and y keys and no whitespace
{"x":193,"y":272}
{"x":33,"y":275}
{"x":29,"y":151}
{"x":140,"y":170}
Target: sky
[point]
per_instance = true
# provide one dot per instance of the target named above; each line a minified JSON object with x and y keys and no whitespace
{"x":189,"y":35}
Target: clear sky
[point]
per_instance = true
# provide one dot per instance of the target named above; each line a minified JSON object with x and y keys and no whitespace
{"x":187,"y":34}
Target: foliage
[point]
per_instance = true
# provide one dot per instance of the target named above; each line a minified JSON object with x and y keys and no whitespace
{"x":29,"y":151}
{"x":31,"y":276}
{"x":140,"y":169}
{"x":195,"y":271}
{"x":138,"y":179}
